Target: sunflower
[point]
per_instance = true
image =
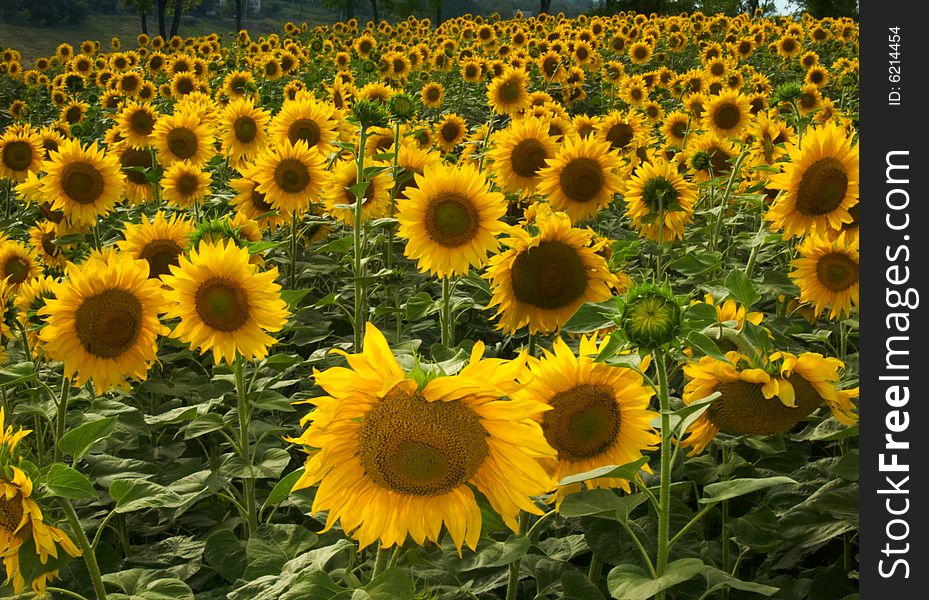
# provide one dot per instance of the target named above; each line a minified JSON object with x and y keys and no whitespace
{"x":224,"y":303}
{"x":136,"y":122}
{"x":674,"y":128}
{"x":727,"y":114}
{"x":520,"y":152}
{"x":133,"y":163}
{"x":185,"y":184}
{"x":542,"y":279}
{"x":182,"y":136}
{"x":622,"y":131}
{"x":451,"y":130}
{"x":243,"y":129}
{"x":393,"y":459}
{"x":433,"y":94}
{"x":508,"y":94}
{"x":659,"y":201}
{"x":21,"y":517}
{"x":253,"y":204}
{"x":827,"y":274}
{"x":708,"y":156}
{"x":20,"y":154}
{"x":82,"y":182}
{"x":375,"y":203}
{"x":42,"y":237}
{"x":305,"y":120}
{"x":599,"y":413}
{"x":763,"y":399}
{"x":159,"y":242}
{"x":580,"y":179}
{"x":73,"y":112}
{"x":820,"y":183}
{"x":770,"y":138}
{"x":103,"y":321}
{"x":290,"y":176}
{"x":450,"y":219}
{"x":30,"y":298}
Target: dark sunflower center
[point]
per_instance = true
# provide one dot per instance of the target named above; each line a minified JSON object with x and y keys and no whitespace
{"x":185,"y":85}
{"x":822,"y":187}
{"x":259,"y":202}
{"x":719,"y":161}
{"x":837,"y":272}
{"x":528,"y":157}
{"x":246,"y":130}
{"x":160,"y":255}
{"x":48,"y":244}
{"x":304,"y":129}
{"x":82,"y":182}
{"x":620,"y":135}
{"x":108,"y":324}
{"x":583,"y":423}
{"x":432,"y":94}
{"x":582,"y":179}
{"x":17,"y":155}
{"x":450,"y":132}
{"x":510,"y":92}
{"x":73,"y":114}
{"x":727,"y":116}
{"x":807,"y":100}
{"x":411,"y":446}
{"x":133,"y":157}
{"x":222,"y":305}
{"x":182,"y":142}
{"x":16,"y":269}
{"x":129,"y":84}
{"x":789,"y":45}
{"x":11,"y":512}
{"x":717,"y":69}
{"x":187,"y":184}
{"x":292,"y":176}
{"x":743,"y":410}
{"x":640,"y":52}
{"x":451,"y":219}
{"x":550,"y":276}
{"x":659,"y":194}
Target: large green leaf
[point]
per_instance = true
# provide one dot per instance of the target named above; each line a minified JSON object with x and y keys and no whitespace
{"x":724,"y":490}
{"x":272,"y":545}
{"x":498,"y":554}
{"x":741,"y":288}
{"x":65,"y":482}
{"x":601,"y":502}
{"x":629,"y":582}
{"x":626,"y":471}
{"x":77,"y":442}
{"x":138,"y":494}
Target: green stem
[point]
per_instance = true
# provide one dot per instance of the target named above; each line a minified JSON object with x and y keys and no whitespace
{"x":696,"y":518}
{"x":512,"y":581}
{"x":448,"y":327}
{"x":593,"y":571}
{"x":65,"y":592}
{"x":717,"y":229}
{"x":293,"y":250}
{"x":90,"y":559}
{"x":530,"y":350}
{"x":664,"y":494}
{"x":380,"y":561}
{"x":358,"y":321}
{"x":62,"y":414}
{"x":638,"y":544}
{"x":248,"y":484}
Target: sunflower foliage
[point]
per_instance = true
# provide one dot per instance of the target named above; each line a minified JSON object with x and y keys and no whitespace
{"x":520,"y":308}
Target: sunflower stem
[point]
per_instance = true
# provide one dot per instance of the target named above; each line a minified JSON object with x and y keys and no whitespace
{"x":594,"y":570}
{"x":717,"y":229}
{"x":358,"y":321}
{"x":251,"y":514}
{"x":664,"y":494}
{"x":62,"y":414}
{"x":530,"y":350}
{"x":512,"y":581}
{"x":380,"y":561}
{"x":448,"y":327}
{"x":293,"y":250}
{"x":90,"y":559}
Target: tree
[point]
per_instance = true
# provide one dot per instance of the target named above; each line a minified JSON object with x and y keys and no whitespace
{"x":544,"y":6}
{"x":828,"y":8}
{"x":144,"y":7}
{"x":162,"y":6}
{"x":176,"y":19}
{"x":239,"y":4}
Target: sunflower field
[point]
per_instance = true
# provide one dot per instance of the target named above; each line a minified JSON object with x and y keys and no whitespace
{"x":520,"y":309}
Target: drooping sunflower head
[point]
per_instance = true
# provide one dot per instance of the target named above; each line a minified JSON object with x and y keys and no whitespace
{"x":767,"y":398}
{"x":542,"y":279}
{"x":103,"y":321}
{"x":42,"y":236}
{"x":409,"y":455}
{"x":451,"y":220}
{"x":599,"y":413}
{"x":134,"y":162}
{"x":819,"y":184}
{"x":581,"y":179}
{"x":225,"y":304}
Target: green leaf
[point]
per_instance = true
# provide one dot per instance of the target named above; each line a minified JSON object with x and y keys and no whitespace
{"x":593,"y":317}
{"x":695,"y":264}
{"x":79,"y":440}
{"x":701,"y":315}
{"x":420,"y":305}
{"x":626,"y":471}
{"x":138,"y":494}
{"x":719,"y":580}
{"x":629,"y":582}
{"x":272,"y":400}
{"x":393,"y":584}
{"x":317,"y":585}
{"x":741,"y":288}
{"x":30,"y":564}
{"x":202,"y":425}
{"x":272,"y":545}
{"x":724,"y":490}
{"x":601,"y":502}
{"x":293,"y":297}
{"x":282,"y":488}
{"x":147,"y":584}
{"x":705,"y":345}
{"x":575,"y":586}
{"x":225,"y":552}
{"x":498,"y":554}
{"x":65,"y":482}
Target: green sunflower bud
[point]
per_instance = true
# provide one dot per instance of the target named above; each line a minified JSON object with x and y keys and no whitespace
{"x":788,"y":92}
{"x":402,"y":107}
{"x":369,"y":113}
{"x":651,"y":316}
